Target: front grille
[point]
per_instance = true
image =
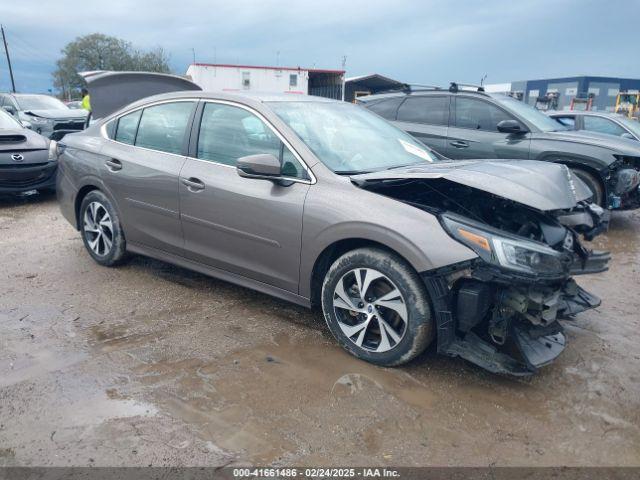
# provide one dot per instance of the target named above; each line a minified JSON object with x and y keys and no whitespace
{"x":73,"y":125}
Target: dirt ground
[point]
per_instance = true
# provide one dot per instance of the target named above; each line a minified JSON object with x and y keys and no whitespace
{"x":150,"y":364}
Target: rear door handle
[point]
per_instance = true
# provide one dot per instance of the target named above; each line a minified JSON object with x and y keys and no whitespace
{"x":113,"y":164}
{"x":193,"y":184}
{"x":459,"y":144}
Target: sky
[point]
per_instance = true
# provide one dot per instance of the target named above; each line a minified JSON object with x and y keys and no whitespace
{"x":428,"y":41}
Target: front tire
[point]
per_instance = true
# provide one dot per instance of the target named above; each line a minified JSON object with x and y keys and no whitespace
{"x":377,"y":307}
{"x":593,"y":184}
{"x":101,"y":230}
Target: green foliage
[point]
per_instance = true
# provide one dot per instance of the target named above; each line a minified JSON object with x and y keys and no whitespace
{"x":102,"y":52}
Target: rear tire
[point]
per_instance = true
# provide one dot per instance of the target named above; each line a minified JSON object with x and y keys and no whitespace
{"x":594,"y":185}
{"x":377,"y":307}
{"x":101,"y":230}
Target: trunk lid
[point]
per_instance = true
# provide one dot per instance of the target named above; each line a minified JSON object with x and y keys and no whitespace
{"x":110,"y":91}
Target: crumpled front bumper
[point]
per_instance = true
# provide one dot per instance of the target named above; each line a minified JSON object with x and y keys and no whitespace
{"x":504,"y":323}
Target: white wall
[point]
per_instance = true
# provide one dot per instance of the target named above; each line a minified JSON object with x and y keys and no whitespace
{"x":229,"y":79}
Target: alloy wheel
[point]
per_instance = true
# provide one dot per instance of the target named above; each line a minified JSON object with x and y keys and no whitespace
{"x":370,"y":310}
{"x":98,"y":228}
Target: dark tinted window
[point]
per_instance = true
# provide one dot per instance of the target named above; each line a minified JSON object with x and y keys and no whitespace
{"x":386,"y":108}
{"x":567,"y":121}
{"x":478,"y":114}
{"x":602,"y":125}
{"x":162,"y":127}
{"x":432,"y":110}
{"x":127,"y":125}
{"x":228,"y":133}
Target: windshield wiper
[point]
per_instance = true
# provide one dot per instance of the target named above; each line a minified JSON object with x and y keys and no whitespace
{"x":403,"y":166}
{"x":351,"y":172}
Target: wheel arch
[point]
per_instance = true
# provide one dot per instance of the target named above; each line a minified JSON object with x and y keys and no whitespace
{"x":89,"y":185}
{"x":332,"y":252}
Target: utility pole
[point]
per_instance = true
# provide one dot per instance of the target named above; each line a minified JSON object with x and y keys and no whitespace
{"x":194,"y":55}
{"x":6,"y":50}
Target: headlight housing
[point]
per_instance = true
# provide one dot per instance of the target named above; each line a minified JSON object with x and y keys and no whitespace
{"x":39,"y":120}
{"x":505,"y":251}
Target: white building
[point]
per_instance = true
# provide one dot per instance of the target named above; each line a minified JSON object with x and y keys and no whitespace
{"x":239,"y":78}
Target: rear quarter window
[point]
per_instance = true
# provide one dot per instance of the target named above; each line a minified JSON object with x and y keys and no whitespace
{"x":125,"y":131}
{"x":386,"y":108}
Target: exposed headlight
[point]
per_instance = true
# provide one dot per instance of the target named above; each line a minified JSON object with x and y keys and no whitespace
{"x":508,"y":252}
{"x":53,"y":150}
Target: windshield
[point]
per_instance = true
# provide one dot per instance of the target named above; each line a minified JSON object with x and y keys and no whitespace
{"x":632,"y":125}
{"x":7,"y":121}
{"x":350,"y":139}
{"x":529,"y":113}
{"x":39,"y":102}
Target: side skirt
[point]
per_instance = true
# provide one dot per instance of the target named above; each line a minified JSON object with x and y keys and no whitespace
{"x":220,"y":274}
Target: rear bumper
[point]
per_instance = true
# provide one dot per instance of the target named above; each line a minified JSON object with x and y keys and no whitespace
{"x":25,"y":177}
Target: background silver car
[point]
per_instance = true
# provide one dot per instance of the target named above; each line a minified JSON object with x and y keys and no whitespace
{"x":600,"y":122}
{"x":323,"y":203}
{"x":44,"y":114}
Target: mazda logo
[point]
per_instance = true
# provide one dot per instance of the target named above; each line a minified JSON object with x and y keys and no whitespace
{"x":16,"y":157}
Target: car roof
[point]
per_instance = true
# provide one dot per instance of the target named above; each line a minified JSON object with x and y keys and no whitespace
{"x":420,"y":93}
{"x":237,"y":96}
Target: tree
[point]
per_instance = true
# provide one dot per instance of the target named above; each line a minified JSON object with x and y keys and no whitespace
{"x":102,"y":52}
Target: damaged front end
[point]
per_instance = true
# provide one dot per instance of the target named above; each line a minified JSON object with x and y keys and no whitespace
{"x":502,"y":310}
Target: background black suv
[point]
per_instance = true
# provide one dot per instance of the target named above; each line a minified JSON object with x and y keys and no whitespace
{"x":463,"y":124}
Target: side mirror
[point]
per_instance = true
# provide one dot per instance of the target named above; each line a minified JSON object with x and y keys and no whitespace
{"x":263,"y":165}
{"x":510,"y":126}
{"x":10,"y":109}
{"x":628,"y":135}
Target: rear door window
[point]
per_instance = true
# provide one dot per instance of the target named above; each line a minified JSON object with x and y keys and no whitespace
{"x":386,"y":108}
{"x":429,"y":110}
{"x":127,"y":126}
{"x":162,"y":127}
{"x":478,"y":114}
{"x":602,"y":125}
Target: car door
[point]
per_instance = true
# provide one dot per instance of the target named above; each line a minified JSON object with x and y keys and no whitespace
{"x":427,"y":119}
{"x":473,"y":132}
{"x":141,"y":168}
{"x":250,"y":227}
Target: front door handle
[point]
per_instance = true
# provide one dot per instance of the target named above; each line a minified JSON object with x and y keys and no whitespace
{"x":193,"y":184}
{"x":459,"y":144}
{"x":113,"y":164}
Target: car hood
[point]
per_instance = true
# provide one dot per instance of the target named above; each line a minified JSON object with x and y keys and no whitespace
{"x":110,"y":91}
{"x":15,"y":139}
{"x":57,"y":114}
{"x":622,"y":146}
{"x":540,"y":185}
